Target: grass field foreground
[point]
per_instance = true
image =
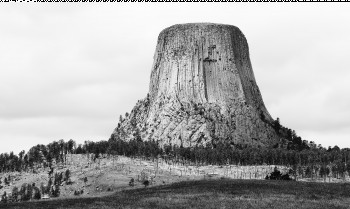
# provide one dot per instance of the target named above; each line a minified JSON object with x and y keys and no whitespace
{"x":215,"y":193}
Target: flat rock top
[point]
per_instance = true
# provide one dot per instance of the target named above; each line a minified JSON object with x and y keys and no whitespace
{"x":199,"y":26}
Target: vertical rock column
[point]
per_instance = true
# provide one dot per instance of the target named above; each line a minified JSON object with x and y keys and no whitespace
{"x":202,"y":89}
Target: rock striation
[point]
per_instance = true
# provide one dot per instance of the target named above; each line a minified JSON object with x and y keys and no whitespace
{"x":202,"y":90}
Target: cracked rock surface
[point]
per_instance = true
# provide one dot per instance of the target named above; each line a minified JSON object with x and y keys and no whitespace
{"x":202,"y":90}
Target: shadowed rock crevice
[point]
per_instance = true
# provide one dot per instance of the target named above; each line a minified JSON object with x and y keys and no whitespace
{"x":202,"y":90}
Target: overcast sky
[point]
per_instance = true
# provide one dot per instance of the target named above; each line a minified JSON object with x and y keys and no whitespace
{"x":67,"y":71}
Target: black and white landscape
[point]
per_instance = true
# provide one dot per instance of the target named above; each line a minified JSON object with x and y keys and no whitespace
{"x":174,"y":106}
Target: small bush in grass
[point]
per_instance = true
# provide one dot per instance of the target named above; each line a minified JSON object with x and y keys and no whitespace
{"x":132,"y":182}
{"x":146,"y":183}
{"x":277,"y":175}
{"x":78,"y":192}
{"x":85,"y":180}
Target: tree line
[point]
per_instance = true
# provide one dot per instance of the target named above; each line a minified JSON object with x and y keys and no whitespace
{"x":39,"y":155}
{"x":32,"y":192}
{"x":292,"y":151}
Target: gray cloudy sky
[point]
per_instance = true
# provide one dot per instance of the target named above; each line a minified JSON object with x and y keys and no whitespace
{"x":69,"y":70}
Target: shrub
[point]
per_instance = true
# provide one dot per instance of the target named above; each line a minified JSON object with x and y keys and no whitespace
{"x":67,"y":177}
{"x":78,"y":192}
{"x":85,"y":179}
{"x":29,"y":191}
{"x":36,"y":194}
{"x":56,"y":191}
{"x":146,"y":183}
{"x":58,"y":178}
{"x":25,"y":192}
{"x":50,"y":171}
{"x":277,"y":175}
{"x":286,"y":177}
{"x":4,"y":197}
{"x":15,"y":193}
{"x":43,"y":189}
{"x":6,"y":181}
{"x":132,"y":182}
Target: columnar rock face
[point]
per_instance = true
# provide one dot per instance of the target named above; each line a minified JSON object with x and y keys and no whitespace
{"x":202,"y":90}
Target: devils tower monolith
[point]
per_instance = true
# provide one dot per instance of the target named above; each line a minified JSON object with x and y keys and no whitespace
{"x":202,"y":90}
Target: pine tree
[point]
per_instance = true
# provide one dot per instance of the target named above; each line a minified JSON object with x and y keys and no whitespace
{"x":15,"y":193}
{"x":37,"y":194}
{"x":4,"y":197}
{"x":67,"y":176}
{"x":29,"y":192}
{"x":85,"y":180}
{"x":49,"y":185}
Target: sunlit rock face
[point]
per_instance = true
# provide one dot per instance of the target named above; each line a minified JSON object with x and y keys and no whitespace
{"x":202,"y":90}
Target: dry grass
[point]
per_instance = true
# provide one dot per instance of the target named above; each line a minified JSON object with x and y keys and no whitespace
{"x":216,"y":193}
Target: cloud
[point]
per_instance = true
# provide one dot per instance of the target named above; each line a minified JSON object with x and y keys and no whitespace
{"x":308,"y":86}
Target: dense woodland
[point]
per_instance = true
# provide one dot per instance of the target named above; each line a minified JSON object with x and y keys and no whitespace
{"x":305,"y":158}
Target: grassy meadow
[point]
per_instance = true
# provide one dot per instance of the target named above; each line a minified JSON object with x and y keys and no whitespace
{"x":212,"y":193}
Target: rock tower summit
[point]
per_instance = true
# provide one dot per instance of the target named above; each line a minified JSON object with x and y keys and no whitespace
{"x":202,"y":90}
